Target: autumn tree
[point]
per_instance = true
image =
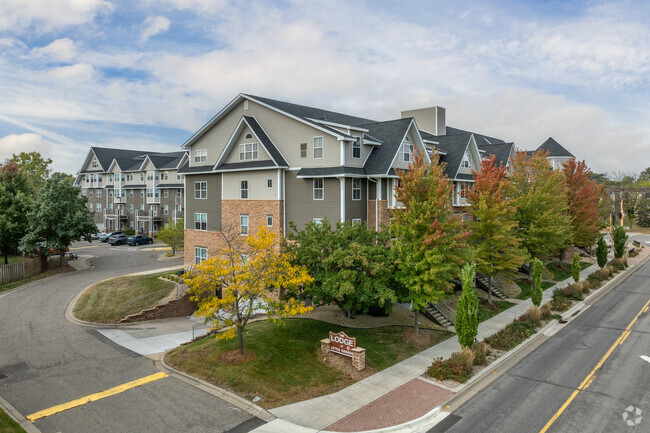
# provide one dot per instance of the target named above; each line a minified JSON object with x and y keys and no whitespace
{"x":540,"y":197}
{"x":583,"y":196}
{"x":430,"y":242}
{"x":352,"y":266}
{"x":494,"y":228}
{"x":58,"y":217}
{"x":173,"y":234}
{"x":467,"y":310}
{"x":251,"y":272}
{"x":16,"y":197}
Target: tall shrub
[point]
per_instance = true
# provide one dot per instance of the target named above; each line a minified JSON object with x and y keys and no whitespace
{"x":575,"y":267}
{"x":620,"y":238}
{"x":601,"y":252}
{"x":536,"y":293}
{"x":467,"y":312}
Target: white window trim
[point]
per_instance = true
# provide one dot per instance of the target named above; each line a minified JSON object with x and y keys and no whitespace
{"x":241,"y":226}
{"x":314,"y":189}
{"x":359,"y":189}
{"x":201,"y":155}
{"x":244,"y":152}
{"x":406,"y":143}
{"x":200,"y":191}
{"x":269,"y":218}
{"x":269,"y":183}
{"x":356,"y":221}
{"x":242,"y":189}
{"x":199,"y":254}
{"x":200,"y":221}
{"x":322,"y":147}
{"x":318,"y":221}
{"x":356,"y":145}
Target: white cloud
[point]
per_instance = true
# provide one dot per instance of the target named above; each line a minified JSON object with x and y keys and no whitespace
{"x":73,"y":74}
{"x":61,"y":50}
{"x":154,"y":26}
{"x":27,"y":142}
{"x":46,"y":16}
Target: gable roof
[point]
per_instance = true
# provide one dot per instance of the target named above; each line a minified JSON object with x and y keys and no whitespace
{"x":480,"y":138}
{"x":454,"y":146}
{"x":554,"y":149}
{"x":391,"y":134}
{"x":501,"y":151}
{"x":131,"y":160}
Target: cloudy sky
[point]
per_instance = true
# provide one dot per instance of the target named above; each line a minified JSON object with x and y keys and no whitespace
{"x":147,"y":74}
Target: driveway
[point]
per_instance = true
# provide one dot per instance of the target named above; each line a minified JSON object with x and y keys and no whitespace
{"x":50,"y":361}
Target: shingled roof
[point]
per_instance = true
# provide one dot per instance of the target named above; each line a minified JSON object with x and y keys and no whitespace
{"x":501,"y":151}
{"x":454,"y":146}
{"x":391,"y":134}
{"x":554,"y":149}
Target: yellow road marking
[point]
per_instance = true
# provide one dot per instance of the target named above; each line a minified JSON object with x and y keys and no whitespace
{"x":93,"y":397}
{"x":585,"y":383}
{"x":82,"y":248}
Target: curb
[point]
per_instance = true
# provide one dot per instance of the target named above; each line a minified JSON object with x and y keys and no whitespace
{"x":412,"y":425}
{"x":223,"y":394}
{"x":18,"y":417}
{"x":3,"y":294}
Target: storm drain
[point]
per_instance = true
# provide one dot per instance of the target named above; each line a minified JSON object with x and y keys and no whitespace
{"x":3,"y":375}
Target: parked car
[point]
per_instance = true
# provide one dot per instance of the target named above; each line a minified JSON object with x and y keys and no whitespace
{"x":56,"y":251}
{"x":106,"y":236}
{"x":139,"y":240}
{"x":96,"y":236}
{"x":118,"y":239}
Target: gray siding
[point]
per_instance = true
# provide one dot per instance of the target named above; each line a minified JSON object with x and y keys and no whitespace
{"x":301,"y":207}
{"x":356,"y":208}
{"x":211,"y":205}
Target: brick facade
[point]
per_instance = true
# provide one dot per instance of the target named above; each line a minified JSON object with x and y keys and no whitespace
{"x":384,"y":213}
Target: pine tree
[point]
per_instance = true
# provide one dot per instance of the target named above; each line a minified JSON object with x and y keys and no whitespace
{"x":494,"y":228}
{"x":620,"y":239}
{"x":536,"y":293}
{"x":575,"y":267}
{"x":467,"y":310}
{"x":430,"y":243}
{"x":601,"y":252}
{"x":540,"y":197}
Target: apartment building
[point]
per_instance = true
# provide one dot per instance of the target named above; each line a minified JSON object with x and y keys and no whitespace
{"x":263,"y":162}
{"x":557,"y":154}
{"x":132,"y":189}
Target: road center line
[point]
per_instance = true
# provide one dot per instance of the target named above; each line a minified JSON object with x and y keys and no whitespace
{"x":93,"y":397}
{"x":585,"y":383}
{"x":83,"y":248}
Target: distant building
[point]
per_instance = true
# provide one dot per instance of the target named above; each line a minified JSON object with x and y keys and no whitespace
{"x":557,"y":154}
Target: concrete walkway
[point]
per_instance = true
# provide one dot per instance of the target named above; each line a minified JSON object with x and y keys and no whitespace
{"x":326,"y":412}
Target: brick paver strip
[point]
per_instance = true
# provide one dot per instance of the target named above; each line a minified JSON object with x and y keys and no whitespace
{"x":403,"y":404}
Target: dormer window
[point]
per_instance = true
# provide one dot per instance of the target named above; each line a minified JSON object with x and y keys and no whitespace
{"x":407,"y":150}
{"x":465,"y":163}
{"x":356,"y":148}
{"x":248,"y":151}
{"x":93,"y":163}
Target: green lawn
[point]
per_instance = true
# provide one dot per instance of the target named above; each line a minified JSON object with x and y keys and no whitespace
{"x":8,"y":425}
{"x":288,"y":366}
{"x":54,"y":269}
{"x":525,"y":287}
{"x":485,"y":313}
{"x":112,"y":300}
{"x":13,"y":259}
{"x":562,"y":272}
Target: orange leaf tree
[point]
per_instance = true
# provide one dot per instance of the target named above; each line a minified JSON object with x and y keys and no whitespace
{"x":429,"y":240}
{"x":583,"y":196}
{"x":494,"y":227}
{"x":249,"y":273}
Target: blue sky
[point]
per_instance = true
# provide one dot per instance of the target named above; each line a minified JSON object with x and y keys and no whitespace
{"x":80,"y":73}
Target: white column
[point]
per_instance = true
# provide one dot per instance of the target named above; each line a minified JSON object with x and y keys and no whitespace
{"x":342,"y":181}
{"x":342,"y":152}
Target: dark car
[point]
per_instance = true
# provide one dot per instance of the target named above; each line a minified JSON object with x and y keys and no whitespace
{"x":106,"y":236}
{"x":118,"y":239}
{"x":139,"y":240}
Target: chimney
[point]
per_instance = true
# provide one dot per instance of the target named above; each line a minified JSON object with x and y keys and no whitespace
{"x":431,"y":119}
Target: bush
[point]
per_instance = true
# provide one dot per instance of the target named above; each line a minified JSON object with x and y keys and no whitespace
{"x":594,"y":279}
{"x":480,"y":353}
{"x":604,"y":273}
{"x":466,"y":356}
{"x":546,"y":310}
{"x":560,"y":301}
{"x":129,"y":232}
{"x":534,"y":314}
{"x":601,"y":251}
{"x":452,"y":368}
{"x":620,"y":239}
{"x":575,"y":267}
{"x":618,"y":264}
{"x":572,"y":292}
{"x":511,"y":335}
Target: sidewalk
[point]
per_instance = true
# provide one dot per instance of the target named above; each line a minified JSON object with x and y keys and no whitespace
{"x":399,"y":393}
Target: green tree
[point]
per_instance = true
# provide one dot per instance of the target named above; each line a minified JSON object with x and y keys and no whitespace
{"x":601,"y":252}
{"x":59,"y":216}
{"x":643,"y":211}
{"x":540,"y":197}
{"x":352,"y":266}
{"x":494,"y":228}
{"x":620,"y":239}
{"x":536,"y":294}
{"x":430,"y":243}
{"x":16,"y":197}
{"x":644,"y":176}
{"x":575,"y":267}
{"x":173,"y":234}
{"x":36,"y":167}
{"x":467,"y":310}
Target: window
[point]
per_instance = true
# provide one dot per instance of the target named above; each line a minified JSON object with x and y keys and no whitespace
{"x":94,"y":163}
{"x":201,"y":221}
{"x":156,"y":175}
{"x":165,"y":193}
{"x":407,"y":150}
{"x":166,"y":175}
{"x":110,"y":193}
{"x":269,"y":220}
{"x":130,"y":193}
{"x":249,"y":136}
{"x":129,"y":177}
{"x":131,"y":225}
{"x":84,"y":192}
{"x":141,"y":193}
{"x":269,"y":183}
{"x":110,"y":178}
{"x":303,"y":150}
{"x":131,"y":208}
{"x":243,"y":189}
{"x":356,"y":221}
{"x":98,"y":207}
{"x":318,"y":221}
{"x":98,"y":194}
{"x":141,"y":206}
{"x":245,"y":105}
{"x":90,"y":193}
{"x":356,"y":148}
{"x":318,"y":147}
{"x":200,"y":255}
{"x":201,"y":189}
{"x":201,"y":155}
{"x":465,"y":163}
{"x":319,"y":189}
{"x":356,"y":189}
{"x":462,"y":189}
{"x":243,"y":225}
{"x":90,"y":206}
{"x":178,"y":176}
{"x":141,"y":177}
{"x":166,"y":210}
{"x":248,"y":151}
{"x":465,"y":218}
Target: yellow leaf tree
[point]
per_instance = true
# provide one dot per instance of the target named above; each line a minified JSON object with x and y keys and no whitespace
{"x":249,"y":274}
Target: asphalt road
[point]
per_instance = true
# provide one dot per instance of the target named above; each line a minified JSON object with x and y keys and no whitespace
{"x":528,"y":395}
{"x":50,"y":361}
